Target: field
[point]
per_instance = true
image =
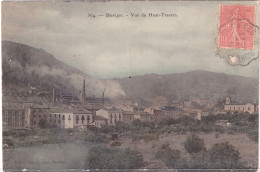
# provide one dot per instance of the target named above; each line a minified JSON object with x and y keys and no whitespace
{"x":73,"y":155}
{"x":247,"y":148}
{"x":136,"y":143}
{"x":48,"y":156}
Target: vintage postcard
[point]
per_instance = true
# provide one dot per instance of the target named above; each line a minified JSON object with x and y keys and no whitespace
{"x":130,"y":85}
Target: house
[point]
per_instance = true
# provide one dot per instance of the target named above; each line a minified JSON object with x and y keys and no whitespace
{"x":204,"y":112}
{"x":166,"y":112}
{"x":133,"y":108}
{"x":128,"y":117}
{"x":143,"y":116}
{"x":152,"y":109}
{"x":70,"y":118}
{"x":112,"y":115}
{"x":34,"y":114}
{"x":171,"y":112}
{"x":60,"y":119}
{"x":13,"y":118}
{"x":193,"y":113}
{"x":157,"y":116}
{"x":26,"y":117}
{"x":100,"y":121}
{"x":240,"y":108}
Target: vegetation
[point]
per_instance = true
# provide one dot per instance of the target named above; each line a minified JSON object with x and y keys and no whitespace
{"x":42,"y":123}
{"x":171,"y":157}
{"x":222,"y":155}
{"x":110,"y":158}
{"x":219,"y":156}
{"x":138,"y":130}
{"x":22,"y":138}
{"x":116,"y":143}
{"x":187,"y":124}
{"x":240,"y":123}
{"x":194,"y":144}
{"x":147,"y":137}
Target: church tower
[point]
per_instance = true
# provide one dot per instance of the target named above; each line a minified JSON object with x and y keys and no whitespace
{"x":228,"y":99}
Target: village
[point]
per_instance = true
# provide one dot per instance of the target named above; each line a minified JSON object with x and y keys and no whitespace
{"x":67,"y":111}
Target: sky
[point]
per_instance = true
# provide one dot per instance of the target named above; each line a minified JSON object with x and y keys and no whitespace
{"x":108,"y":47}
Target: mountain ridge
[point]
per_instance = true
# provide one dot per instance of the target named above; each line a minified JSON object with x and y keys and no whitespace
{"x":191,"y":71}
{"x":183,"y":86}
{"x":23,"y":64}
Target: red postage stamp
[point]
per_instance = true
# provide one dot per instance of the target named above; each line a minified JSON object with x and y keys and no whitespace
{"x":237,"y":27}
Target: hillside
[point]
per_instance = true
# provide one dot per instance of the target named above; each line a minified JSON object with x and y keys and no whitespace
{"x":25,"y":67}
{"x":182,"y":86}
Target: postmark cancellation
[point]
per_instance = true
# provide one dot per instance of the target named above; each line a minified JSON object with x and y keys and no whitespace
{"x":237,"y":40}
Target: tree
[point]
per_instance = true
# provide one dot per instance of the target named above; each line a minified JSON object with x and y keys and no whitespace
{"x":224,"y":155}
{"x":137,"y":123}
{"x":42,"y":123}
{"x":169,"y":156}
{"x":112,"y":158}
{"x":219,"y":156}
{"x":194,"y":144}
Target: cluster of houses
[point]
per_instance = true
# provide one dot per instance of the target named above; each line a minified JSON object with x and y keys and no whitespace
{"x":30,"y":117}
{"x":93,"y":112}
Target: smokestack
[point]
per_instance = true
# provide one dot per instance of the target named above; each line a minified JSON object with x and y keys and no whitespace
{"x":83,"y":93}
{"x":103,"y":97}
{"x":53,"y":97}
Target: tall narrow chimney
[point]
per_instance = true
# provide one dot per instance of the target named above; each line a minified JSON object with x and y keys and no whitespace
{"x":103,"y":97}
{"x":83,"y":93}
{"x":53,"y":97}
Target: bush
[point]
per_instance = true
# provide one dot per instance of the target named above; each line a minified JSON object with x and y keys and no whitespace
{"x":253,"y":135}
{"x":42,"y":123}
{"x":22,"y":133}
{"x":9,"y":142}
{"x":223,"y":155}
{"x":104,"y":158}
{"x":146,"y":137}
{"x":219,"y":156}
{"x":70,"y":130}
{"x":168,"y":122}
{"x":200,"y":160}
{"x":186,"y":121}
{"x":6,"y":133}
{"x":116,"y":143}
{"x":137,"y":123}
{"x":121,"y":127}
{"x":252,"y":118}
{"x":194,"y":144}
{"x":99,"y":138}
{"x":107,"y":129}
{"x":171,"y":157}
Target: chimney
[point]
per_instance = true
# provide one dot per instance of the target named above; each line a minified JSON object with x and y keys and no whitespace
{"x":103,"y":97}
{"x":83,"y":93}
{"x":53,"y":97}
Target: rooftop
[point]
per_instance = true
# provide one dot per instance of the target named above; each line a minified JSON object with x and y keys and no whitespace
{"x":64,"y":110}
